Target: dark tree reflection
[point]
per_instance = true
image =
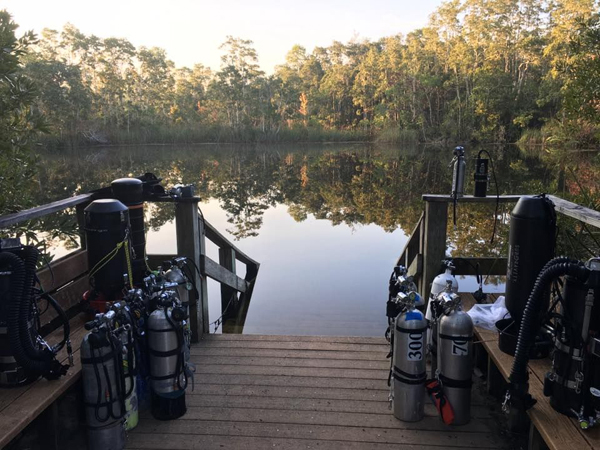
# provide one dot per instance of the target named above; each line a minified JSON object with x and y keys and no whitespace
{"x":344,"y":184}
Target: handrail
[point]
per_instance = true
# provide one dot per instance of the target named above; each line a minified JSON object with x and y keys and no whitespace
{"x":43,"y":210}
{"x":221,"y":241}
{"x":192,"y":230}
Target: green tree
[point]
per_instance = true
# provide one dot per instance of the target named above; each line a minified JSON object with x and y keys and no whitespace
{"x":20,"y":122}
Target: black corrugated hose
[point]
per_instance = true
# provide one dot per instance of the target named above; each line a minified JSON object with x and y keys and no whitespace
{"x":25,"y":351}
{"x":519,"y":396}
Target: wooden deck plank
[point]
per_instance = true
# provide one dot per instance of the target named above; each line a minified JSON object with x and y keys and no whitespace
{"x":291,"y":338}
{"x":285,"y":380}
{"x":347,"y":435}
{"x":311,"y":404}
{"x":387,"y":420}
{"x":244,"y":390}
{"x":286,"y":353}
{"x":278,"y":392}
{"x":301,"y":392}
{"x":298,"y":345}
{"x":367,"y":374}
{"x":215,"y":442}
{"x":292,"y":362}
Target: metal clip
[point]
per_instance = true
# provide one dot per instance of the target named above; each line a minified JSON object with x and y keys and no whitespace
{"x":506,"y":403}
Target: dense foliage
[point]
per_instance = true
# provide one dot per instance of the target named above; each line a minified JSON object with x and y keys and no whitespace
{"x":486,"y":70}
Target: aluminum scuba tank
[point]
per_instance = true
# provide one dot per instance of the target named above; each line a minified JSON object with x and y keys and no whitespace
{"x":444,"y":283}
{"x":440,"y":283}
{"x":455,"y":358}
{"x":166,"y":348}
{"x":409,"y":370}
{"x":103,"y":386}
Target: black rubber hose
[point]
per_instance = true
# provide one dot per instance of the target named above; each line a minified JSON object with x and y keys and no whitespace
{"x":13,"y":321}
{"x":528,"y":330}
{"x":17,"y":283}
{"x":31,"y":349}
{"x":65,"y":319}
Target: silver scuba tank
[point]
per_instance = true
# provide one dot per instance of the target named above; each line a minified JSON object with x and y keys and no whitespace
{"x":409,"y":370}
{"x":102,"y":385}
{"x":443,"y":283}
{"x":455,"y":359}
{"x":168,"y":371}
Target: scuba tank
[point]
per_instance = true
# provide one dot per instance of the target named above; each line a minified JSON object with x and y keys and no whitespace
{"x":25,"y":354}
{"x":104,"y":382}
{"x":107,"y":234}
{"x":124,"y":316}
{"x":167,"y":342}
{"x":409,"y":371}
{"x":444,"y":283}
{"x":532,"y":239}
{"x":130,"y":191}
{"x":400,"y":286}
{"x":573,"y":383}
{"x":455,"y":357}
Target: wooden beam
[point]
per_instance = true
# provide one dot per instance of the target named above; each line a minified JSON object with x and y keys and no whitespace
{"x":63,"y":270}
{"x":188,"y":245}
{"x":222,"y":275}
{"x":487,"y":266}
{"x":41,"y":211}
{"x":434,"y":243}
{"x":216,"y":237}
{"x":413,"y":244}
{"x":437,"y":198}
{"x":570,"y":209}
{"x":228,"y":295}
{"x":416,"y":266}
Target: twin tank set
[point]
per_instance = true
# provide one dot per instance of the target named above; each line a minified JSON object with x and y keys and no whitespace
{"x":554,"y":310}
{"x":139,"y":339}
{"x":444,"y":334}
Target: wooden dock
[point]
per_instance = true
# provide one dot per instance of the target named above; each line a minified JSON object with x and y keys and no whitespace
{"x":308,"y":392}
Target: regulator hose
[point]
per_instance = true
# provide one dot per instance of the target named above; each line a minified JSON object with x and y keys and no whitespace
{"x":25,"y":351}
{"x":518,"y":391}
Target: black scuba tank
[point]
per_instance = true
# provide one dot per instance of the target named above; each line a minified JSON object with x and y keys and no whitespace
{"x":107,"y":226}
{"x":130,"y":191}
{"x":531,"y":245}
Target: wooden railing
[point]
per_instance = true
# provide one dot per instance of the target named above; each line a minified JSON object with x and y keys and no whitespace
{"x":192,"y":231}
{"x":427,"y":244}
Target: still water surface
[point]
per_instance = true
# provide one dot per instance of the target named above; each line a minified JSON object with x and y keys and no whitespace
{"x":325,"y":222}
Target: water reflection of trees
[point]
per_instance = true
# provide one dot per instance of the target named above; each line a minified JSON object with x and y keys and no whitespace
{"x":342,"y":184}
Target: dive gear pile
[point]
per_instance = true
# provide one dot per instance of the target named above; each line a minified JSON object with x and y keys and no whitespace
{"x":413,"y":337}
{"x":573,"y":383}
{"x":25,"y":355}
{"x":138,"y":346}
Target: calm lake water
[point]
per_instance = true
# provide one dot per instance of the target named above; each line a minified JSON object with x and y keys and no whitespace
{"x":325,"y":222}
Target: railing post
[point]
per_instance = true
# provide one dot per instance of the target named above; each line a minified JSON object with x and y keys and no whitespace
{"x":190,"y":243}
{"x":434,"y":242}
{"x":227,"y":260}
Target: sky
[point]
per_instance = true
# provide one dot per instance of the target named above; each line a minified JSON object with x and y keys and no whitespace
{"x":191,"y":31}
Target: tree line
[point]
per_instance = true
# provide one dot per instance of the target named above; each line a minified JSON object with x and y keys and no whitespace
{"x":491,"y":71}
